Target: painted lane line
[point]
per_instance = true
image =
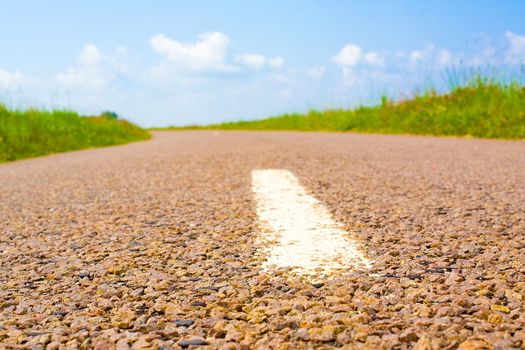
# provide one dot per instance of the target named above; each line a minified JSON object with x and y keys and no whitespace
{"x":297,"y":231}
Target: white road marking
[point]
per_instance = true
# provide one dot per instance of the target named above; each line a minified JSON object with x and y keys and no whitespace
{"x":297,"y":231}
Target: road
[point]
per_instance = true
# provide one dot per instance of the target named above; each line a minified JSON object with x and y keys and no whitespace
{"x":156,"y":244}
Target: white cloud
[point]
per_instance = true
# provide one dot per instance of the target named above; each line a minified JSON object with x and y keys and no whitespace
{"x":350,"y":77}
{"x":9,"y":80}
{"x":90,"y":55}
{"x":276,"y":62}
{"x":348,"y":56}
{"x":209,"y":59}
{"x":352,"y":56}
{"x":122,"y":51}
{"x":516,"y":51}
{"x":374,"y":58}
{"x":252,"y":60}
{"x":258,"y":61}
{"x":286,"y":94}
{"x":385,"y":77}
{"x":208,"y":53}
{"x":81,"y":78}
{"x":94,"y":71}
{"x":317,"y":72}
{"x":445,"y":58}
{"x":279,"y":78}
{"x":431,"y":57}
{"x":416,"y":56}
{"x":425,"y":55}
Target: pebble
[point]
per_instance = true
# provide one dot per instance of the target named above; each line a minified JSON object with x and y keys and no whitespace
{"x":85,"y":275}
{"x":198,"y":303}
{"x":184,"y":323}
{"x":184,"y":343}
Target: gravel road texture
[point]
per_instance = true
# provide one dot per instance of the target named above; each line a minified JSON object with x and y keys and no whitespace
{"x":152,"y":245}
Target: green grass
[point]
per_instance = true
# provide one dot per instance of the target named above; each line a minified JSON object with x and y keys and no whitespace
{"x":31,"y":133}
{"x":481,"y":108}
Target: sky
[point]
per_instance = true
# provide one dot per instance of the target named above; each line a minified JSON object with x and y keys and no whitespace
{"x":160,"y":63}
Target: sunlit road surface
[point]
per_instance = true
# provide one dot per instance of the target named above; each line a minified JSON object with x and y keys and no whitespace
{"x":159,"y":244}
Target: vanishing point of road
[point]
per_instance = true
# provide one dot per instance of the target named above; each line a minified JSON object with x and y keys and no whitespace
{"x":168,"y":243}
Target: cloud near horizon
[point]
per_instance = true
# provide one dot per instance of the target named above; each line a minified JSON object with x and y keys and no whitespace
{"x":94,"y":69}
{"x":207,"y":54}
{"x":358,"y":66}
{"x":258,"y":61}
{"x":10,"y":80}
{"x":351,"y":56}
{"x":210,"y":53}
{"x":516,"y":50}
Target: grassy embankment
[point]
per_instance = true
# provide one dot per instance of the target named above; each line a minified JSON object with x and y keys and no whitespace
{"x":32,"y":133}
{"x":482,"y":108}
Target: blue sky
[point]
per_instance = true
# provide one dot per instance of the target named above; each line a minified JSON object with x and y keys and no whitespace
{"x":180,"y":62}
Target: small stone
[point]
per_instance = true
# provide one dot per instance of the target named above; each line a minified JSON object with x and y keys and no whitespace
{"x":219,"y":329}
{"x":425,"y":343}
{"x":361,"y":332}
{"x":75,"y":246}
{"x":344,"y":337}
{"x":501,"y":308}
{"x":123,"y":318}
{"x":138,"y":292}
{"x":85,"y":275}
{"x":198,"y":303}
{"x":53,"y":346}
{"x":170,"y":330}
{"x":302,"y":334}
{"x":142,"y":343}
{"x":324,"y":334}
{"x":213,"y":288}
{"x":116,"y":270}
{"x":390,"y":338}
{"x":122,"y":344}
{"x":184,"y":323}
{"x":184,"y":343}
{"x":474,"y":345}
{"x":162,"y":285}
{"x":60,"y":313}
{"x":408,"y":335}
{"x":317,"y":284}
{"x":495,"y":318}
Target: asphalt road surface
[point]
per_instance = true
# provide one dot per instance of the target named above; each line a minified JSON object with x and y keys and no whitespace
{"x":157,"y":245}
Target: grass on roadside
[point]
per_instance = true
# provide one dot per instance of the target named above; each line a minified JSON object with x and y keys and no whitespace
{"x":31,"y":133}
{"x":482,"y":108}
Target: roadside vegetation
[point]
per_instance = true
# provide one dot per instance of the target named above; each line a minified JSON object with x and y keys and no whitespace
{"x":482,"y":108}
{"x":32,"y":132}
